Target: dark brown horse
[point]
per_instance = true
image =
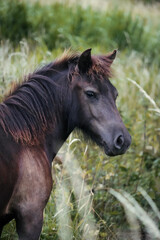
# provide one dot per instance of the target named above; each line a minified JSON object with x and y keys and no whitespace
{"x":35,"y":120}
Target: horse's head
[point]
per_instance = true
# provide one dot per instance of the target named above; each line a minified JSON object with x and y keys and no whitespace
{"x":95,"y":99}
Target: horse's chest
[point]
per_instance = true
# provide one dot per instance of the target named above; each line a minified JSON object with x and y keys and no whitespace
{"x":34,"y":183}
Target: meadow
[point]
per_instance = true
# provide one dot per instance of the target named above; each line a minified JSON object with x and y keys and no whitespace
{"x":33,"y":33}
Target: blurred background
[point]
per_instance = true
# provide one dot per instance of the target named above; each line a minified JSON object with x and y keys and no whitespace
{"x":33,"y":33}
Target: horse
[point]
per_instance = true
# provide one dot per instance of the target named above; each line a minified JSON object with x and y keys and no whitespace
{"x":36,"y":118}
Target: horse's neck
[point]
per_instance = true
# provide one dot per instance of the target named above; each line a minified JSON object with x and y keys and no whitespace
{"x":55,"y":139}
{"x":64,"y":125}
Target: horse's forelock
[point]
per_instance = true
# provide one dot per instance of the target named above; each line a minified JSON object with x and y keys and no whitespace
{"x":101,"y":68}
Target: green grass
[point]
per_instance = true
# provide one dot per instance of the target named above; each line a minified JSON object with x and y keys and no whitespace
{"x":66,"y":25}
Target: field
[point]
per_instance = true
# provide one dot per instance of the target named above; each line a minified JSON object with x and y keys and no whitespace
{"x":83,"y":205}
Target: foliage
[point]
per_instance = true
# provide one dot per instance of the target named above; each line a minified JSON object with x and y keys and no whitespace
{"x":60,"y":25}
{"x":14,"y":24}
{"x":150,"y":1}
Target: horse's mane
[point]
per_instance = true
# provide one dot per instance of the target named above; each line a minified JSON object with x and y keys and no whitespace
{"x":29,"y":110}
{"x":32,"y":107}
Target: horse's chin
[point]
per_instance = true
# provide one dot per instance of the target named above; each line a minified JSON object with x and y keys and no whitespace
{"x":107,"y":150}
{"x":100,"y":142}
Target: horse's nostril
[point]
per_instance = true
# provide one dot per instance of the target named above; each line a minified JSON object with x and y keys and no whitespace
{"x":119,"y":141}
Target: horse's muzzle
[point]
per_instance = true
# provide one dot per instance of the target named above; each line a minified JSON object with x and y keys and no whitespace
{"x":119,"y":146}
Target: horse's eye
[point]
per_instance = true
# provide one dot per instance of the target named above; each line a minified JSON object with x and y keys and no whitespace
{"x":90,"y":94}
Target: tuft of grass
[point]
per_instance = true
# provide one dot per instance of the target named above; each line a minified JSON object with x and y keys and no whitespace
{"x":134,"y":211}
{"x":71,"y":181}
{"x":156,"y":108}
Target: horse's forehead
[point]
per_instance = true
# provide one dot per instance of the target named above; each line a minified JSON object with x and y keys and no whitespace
{"x":99,"y":80}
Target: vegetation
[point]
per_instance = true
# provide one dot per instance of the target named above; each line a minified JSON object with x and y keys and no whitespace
{"x":74,"y":26}
{"x":32,"y":35}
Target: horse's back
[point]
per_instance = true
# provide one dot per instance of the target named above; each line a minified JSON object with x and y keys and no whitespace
{"x":9,"y":151}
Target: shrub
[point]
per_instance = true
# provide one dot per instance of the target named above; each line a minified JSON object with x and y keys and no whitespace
{"x":14,"y":24}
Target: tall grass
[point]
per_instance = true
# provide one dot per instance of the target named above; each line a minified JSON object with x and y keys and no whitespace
{"x":72,"y":25}
{"x":134,"y":211}
{"x":71,"y":181}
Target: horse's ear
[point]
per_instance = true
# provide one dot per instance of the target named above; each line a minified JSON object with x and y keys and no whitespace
{"x":109,"y":58}
{"x":112,"y":55}
{"x":85,"y":61}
